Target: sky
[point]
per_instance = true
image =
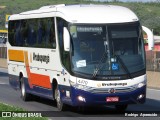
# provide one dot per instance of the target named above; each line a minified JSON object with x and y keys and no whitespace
{"x":131,"y":0}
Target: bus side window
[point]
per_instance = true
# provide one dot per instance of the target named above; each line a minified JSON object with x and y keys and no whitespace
{"x":41,"y":35}
{"x":18,"y":36}
{"x":50,"y":33}
{"x":11,"y":33}
{"x":52,"y":40}
{"x":32,"y":32}
{"x":24,"y":31}
{"x":40,"y":31}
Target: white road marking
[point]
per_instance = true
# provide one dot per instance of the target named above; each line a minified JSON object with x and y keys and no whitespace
{"x":2,"y":83}
{"x":153,"y":89}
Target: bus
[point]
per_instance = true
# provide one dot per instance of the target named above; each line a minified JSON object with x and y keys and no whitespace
{"x":78,"y":55}
{"x":3,"y":36}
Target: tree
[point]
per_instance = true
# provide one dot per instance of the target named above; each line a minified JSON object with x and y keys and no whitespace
{"x":158,"y":1}
{"x":115,"y":0}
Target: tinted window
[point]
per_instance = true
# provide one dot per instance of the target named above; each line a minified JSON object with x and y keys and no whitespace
{"x":65,"y":56}
{"x":32,"y":33}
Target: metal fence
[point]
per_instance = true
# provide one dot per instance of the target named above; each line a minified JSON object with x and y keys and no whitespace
{"x":3,"y":51}
{"x":153,"y":60}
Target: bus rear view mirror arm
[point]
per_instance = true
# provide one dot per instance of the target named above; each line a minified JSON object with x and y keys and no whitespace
{"x":150,"y":37}
{"x":66,"y":39}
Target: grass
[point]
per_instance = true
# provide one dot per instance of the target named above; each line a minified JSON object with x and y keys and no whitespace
{"x":8,"y":108}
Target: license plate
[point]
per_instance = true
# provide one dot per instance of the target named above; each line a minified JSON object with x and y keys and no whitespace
{"x":112,"y":99}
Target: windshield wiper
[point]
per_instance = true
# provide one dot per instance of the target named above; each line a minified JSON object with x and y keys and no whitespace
{"x":124,"y":66}
{"x":99,"y":65}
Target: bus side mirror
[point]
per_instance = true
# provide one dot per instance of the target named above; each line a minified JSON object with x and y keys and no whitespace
{"x":66,"y":39}
{"x":150,"y":37}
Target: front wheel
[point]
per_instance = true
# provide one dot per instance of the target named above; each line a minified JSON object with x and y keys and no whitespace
{"x":24,"y":95}
{"x":121,"y":107}
{"x":60,"y":105}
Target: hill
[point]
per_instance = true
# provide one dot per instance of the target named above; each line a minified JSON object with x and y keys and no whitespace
{"x":149,"y":13}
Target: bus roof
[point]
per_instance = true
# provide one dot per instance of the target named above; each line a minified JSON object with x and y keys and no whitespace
{"x":82,"y":13}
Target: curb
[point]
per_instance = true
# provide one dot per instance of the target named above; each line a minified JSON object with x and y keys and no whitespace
{"x":3,"y":70}
{"x":152,"y":87}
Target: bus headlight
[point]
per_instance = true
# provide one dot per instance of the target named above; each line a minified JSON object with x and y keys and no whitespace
{"x":140,"y":85}
{"x":78,"y":86}
{"x":80,"y":98}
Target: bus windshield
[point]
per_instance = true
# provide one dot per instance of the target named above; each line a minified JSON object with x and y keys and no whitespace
{"x":101,"y":50}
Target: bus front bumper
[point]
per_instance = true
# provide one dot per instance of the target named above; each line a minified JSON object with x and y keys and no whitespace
{"x":84,"y":98}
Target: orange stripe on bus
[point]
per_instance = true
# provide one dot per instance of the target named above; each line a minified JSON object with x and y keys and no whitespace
{"x":28,"y":69}
{"x":36,"y":79}
{"x":40,"y":80}
{"x":16,"y":55}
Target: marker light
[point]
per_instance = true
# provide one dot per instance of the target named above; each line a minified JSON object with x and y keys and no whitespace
{"x":140,"y":85}
{"x":140,"y":96}
{"x":80,"y":98}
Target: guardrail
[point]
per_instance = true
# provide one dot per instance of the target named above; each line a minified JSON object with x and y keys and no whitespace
{"x":153,"y":60}
{"x":3,"y":51}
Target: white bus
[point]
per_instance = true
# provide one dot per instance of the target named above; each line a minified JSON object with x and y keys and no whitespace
{"x":78,"y":55}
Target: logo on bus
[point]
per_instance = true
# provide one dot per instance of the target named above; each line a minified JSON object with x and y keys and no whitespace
{"x":112,"y":90}
{"x":99,"y":85}
{"x":41,"y":58}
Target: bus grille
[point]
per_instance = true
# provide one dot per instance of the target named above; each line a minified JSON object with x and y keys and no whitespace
{"x":106,"y":90}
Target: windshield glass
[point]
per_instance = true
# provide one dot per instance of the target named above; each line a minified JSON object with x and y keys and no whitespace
{"x":100,"y":50}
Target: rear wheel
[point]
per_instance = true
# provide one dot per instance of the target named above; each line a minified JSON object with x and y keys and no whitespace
{"x":24,"y":95}
{"x":121,"y":107}
{"x":60,"y":105}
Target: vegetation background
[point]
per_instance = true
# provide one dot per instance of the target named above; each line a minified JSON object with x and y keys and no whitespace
{"x":149,"y":13}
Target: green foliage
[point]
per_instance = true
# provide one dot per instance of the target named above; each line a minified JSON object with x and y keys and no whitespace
{"x":149,"y":13}
{"x":4,"y":107}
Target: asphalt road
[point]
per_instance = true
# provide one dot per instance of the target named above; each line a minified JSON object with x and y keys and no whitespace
{"x":12,"y":97}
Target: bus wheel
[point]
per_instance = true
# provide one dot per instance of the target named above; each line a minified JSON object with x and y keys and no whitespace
{"x":60,"y":105}
{"x":81,"y":109}
{"x":121,"y":107}
{"x":25,"y":96}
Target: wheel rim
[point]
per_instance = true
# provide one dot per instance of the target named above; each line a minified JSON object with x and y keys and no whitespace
{"x":58,"y":99}
{"x":23,"y":89}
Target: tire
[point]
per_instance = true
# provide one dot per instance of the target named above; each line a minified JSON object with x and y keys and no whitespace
{"x":121,"y":108}
{"x":81,"y":109}
{"x":24,"y":95}
{"x":60,"y":105}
